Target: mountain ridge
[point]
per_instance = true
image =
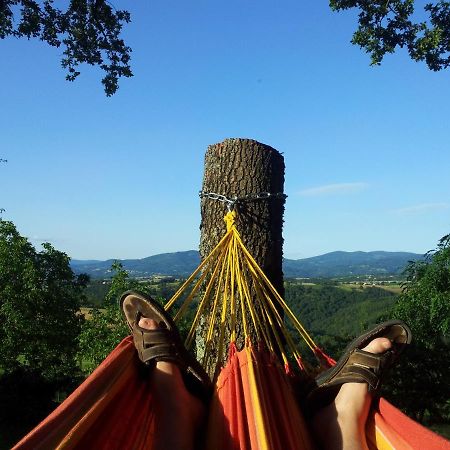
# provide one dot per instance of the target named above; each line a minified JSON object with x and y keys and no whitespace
{"x":332,"y":264}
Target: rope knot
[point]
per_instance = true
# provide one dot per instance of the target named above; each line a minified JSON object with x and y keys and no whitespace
{"x":230,"y":219}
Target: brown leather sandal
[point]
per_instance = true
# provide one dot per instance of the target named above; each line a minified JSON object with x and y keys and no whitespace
{"x":359,"y":366}
{"x":162,"y":344}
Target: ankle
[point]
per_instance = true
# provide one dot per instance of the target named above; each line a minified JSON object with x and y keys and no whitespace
{"x":353,"y":399}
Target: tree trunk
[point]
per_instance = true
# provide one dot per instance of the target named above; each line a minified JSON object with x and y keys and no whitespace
{"x":237,"y":168}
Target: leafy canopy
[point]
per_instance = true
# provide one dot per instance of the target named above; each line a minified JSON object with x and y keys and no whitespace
{"x":39,"y":307}
{"x":88,"y":30}
{"x":425,"y":303}
{"x":106,"y":327}
{"x":384,"y":25}
{"x":425,"y":307}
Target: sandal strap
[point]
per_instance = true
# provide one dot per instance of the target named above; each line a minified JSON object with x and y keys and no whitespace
{"x":359,"y":366}
{"x":163,"y":352}
{"x":362,"y":367}
{"x":154,"y":337}
{"x":159,"y":345}
{"x":366,"y":359}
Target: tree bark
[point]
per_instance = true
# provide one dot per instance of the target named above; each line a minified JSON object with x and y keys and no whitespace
{"x":237,"y":168}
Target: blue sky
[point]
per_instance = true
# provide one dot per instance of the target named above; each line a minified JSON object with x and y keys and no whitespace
{"x":366,"y":149}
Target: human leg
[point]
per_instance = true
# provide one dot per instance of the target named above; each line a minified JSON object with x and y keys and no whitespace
{"x":341,"y":396}
{"x":179,"y":413}
{"x":341,"y":424}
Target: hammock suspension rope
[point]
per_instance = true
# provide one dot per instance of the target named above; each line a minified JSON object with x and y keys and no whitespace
{"x":226,"y":278}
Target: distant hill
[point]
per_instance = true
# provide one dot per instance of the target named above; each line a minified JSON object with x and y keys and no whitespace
{"x":178,"y":263}
{"x":339,"y":264}
{"x":334,"y":264}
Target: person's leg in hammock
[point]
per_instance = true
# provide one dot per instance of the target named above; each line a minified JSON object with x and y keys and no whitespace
{"x":179,"y":414}
{"x":340,"y":399}
{"x":341,"y":424}
{"x":179,"y":407}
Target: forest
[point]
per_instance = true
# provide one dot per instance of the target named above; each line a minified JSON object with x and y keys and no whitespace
{"x":56,"y":327}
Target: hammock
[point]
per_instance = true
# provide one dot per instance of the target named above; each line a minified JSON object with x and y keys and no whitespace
{"x":253,"y":406}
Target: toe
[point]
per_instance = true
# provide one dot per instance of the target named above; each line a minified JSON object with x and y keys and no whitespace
{"x":378,"y":345}
{"x":148,"y":324}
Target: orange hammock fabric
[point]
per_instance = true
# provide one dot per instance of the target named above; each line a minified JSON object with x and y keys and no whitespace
{"x":252,"y":409}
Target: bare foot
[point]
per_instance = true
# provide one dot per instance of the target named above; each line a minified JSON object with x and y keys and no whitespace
{"x":341,"y":425}
{"x":179,"y":414}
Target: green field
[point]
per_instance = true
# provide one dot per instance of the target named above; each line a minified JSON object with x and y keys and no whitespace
{"x":395,"y":288}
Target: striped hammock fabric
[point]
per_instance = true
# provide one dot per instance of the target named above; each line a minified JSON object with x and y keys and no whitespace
{"x":252,"y":409}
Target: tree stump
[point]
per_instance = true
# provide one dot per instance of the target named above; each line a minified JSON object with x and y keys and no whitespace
{"x":241,"y":168}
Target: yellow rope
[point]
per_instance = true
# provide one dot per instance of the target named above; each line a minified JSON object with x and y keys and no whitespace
{"x":203,"y":302}
{"x":206,"y":261}
{"x":277,"y":296}
{"x":212,"y":317}
{"x":232,"y":293}
{"x":227,"y":275}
